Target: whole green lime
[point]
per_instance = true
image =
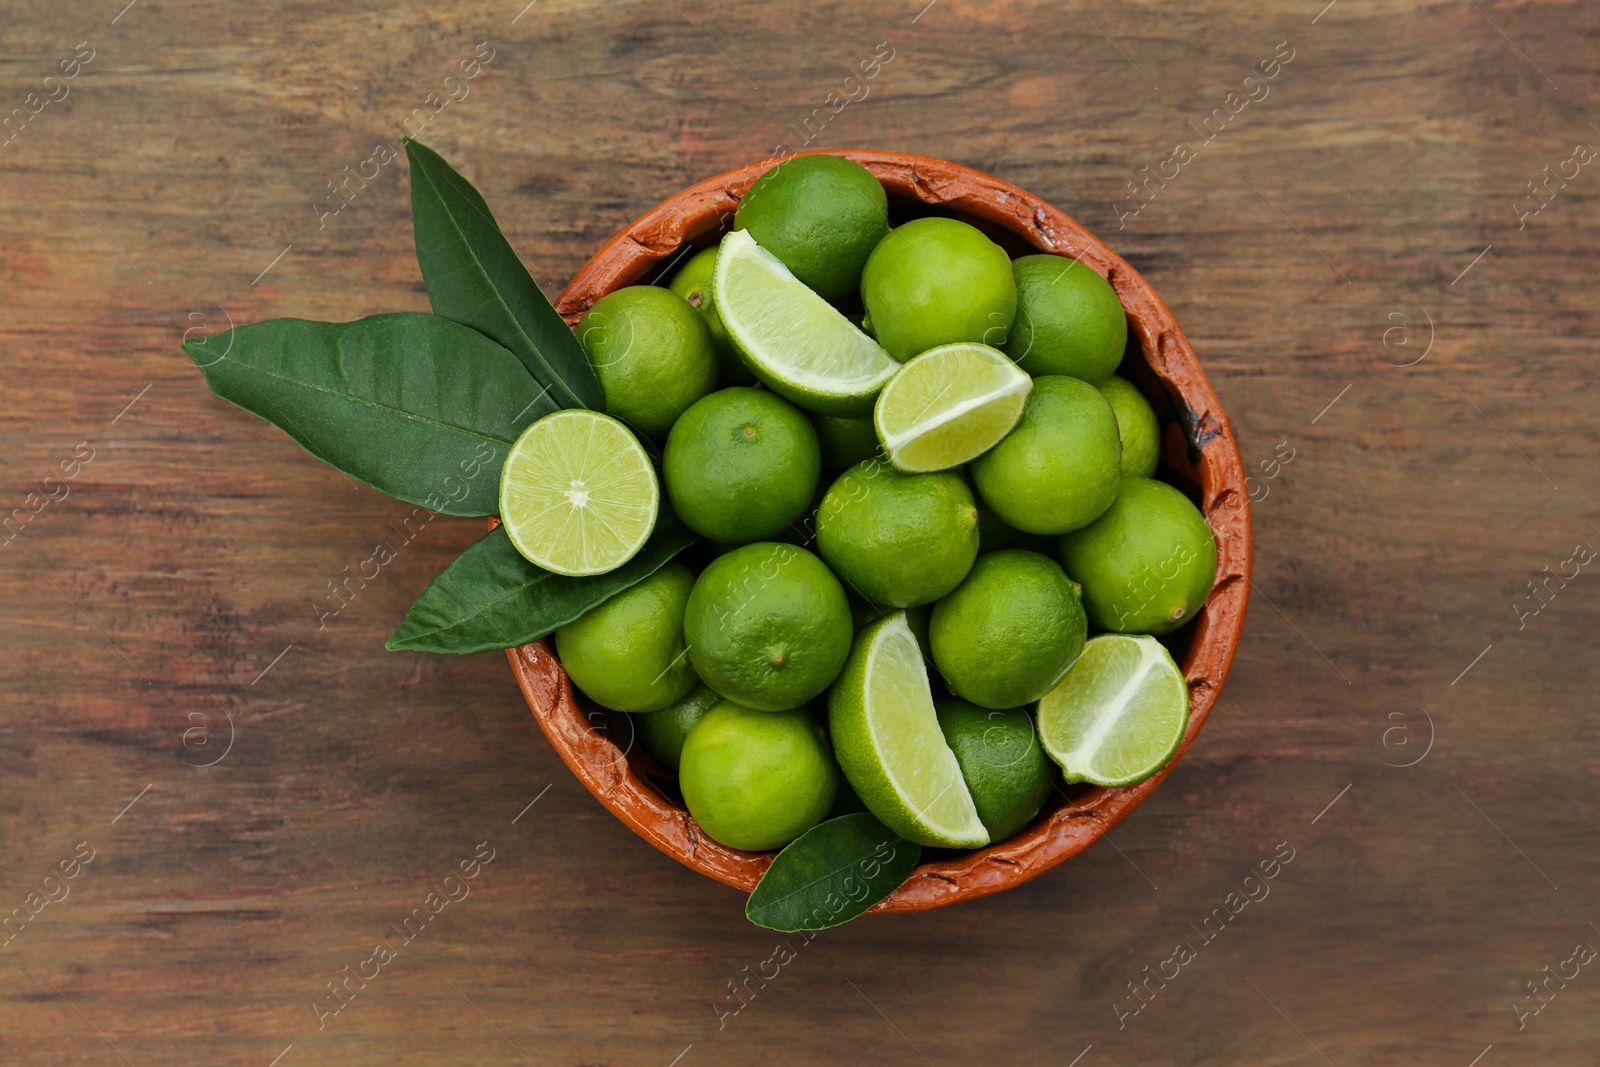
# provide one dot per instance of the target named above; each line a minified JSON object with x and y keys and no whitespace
{"x":937,"y":281}
{"x":845,"y":441}
{"x":1069,"y":320}
{"x":1002,"y":762}
{"x":757,"y":779}
{"x":1060,"y":468}
{"x":1009,"y":632}
{"x":898,"y":539}
{"x":693,"y":283}
{"x":1137,"y":425}
{"x":768,"y":626}
{"x":628,"y":654}
{"x":1147,"y":564}
{"x":821,"y":216}
{"x":653,"y":353}
{"x":663,"y":732}
{"x":741,"y":465}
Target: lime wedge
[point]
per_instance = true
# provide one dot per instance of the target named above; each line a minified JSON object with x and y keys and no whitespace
{"x":1118,"y":715}
{"x":948,"y":405}
{"x":796,"y":342}
{"x":577,"y":494}
{"x":886,"y":736}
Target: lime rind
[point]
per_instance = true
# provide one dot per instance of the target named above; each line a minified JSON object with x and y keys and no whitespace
{"x":1137,"y":426}
{"x":797,"y":343}
{"x":1118,"y":715}
{"x":949,"y":405}
{"x":887,"y":738}
{"x":578,"y":495}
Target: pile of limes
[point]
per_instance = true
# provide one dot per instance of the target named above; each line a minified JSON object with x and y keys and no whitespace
{"x":988,"y":500}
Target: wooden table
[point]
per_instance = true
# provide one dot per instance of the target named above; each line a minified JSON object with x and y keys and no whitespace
{"x":1404,"y":349}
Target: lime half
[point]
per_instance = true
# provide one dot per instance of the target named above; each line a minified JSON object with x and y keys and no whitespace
{"x":948,"y":405}
{"x":794,"y":341}
{"x":1118,"y":715}
{"x":577,"y":494}
{"x":886,"y":736}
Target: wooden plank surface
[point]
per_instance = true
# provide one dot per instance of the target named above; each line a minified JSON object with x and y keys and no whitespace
{"x":164,"y":605}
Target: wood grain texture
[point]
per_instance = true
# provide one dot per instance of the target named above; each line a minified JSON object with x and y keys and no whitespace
{"x":1393,"y":549}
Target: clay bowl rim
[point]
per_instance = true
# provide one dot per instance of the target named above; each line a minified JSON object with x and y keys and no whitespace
{"x":1198,"y":441}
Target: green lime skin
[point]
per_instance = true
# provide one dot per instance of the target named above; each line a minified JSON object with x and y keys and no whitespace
{"x":1147,"y":564}
{"x":663,"y":732}
{"x":757,"y":779}
{"x":768,"y":626}
{"x":628,"y":654}
{"x":741,"y":465}
{"x":898,"y":539}
{"x":803,"y":534}
{"x":1136,"y":425}
{"x":1062,"y":465}
{"x":845,"y":441}
{"x":994,"y":533}
{"x":821,"y":216}
{"x":693,"y":283}
{"x":1009,"y":632}
{"x":1069,"y":320}
{"x":653,"y":353}
{"x":937,"y":281}
{"x":1005,"y":768}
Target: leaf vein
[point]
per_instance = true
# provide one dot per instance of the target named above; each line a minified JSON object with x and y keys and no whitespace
{"x":356,"y":399}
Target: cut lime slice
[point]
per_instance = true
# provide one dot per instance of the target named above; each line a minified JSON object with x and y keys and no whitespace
{"x":577,"y":494}
{"x":1118,"y":715}
{"x":886,"y":736}
{"x":948,"y":405}
{"x":794,"y":341}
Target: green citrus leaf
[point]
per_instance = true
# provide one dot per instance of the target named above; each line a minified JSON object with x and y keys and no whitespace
{"x":491,"y":597}
{"x":416,"y":406}
{"x":475,"y":277}
{"x":831,"y":873}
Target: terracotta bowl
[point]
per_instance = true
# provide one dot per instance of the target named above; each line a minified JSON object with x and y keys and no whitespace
{"x":1199,"y":455}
